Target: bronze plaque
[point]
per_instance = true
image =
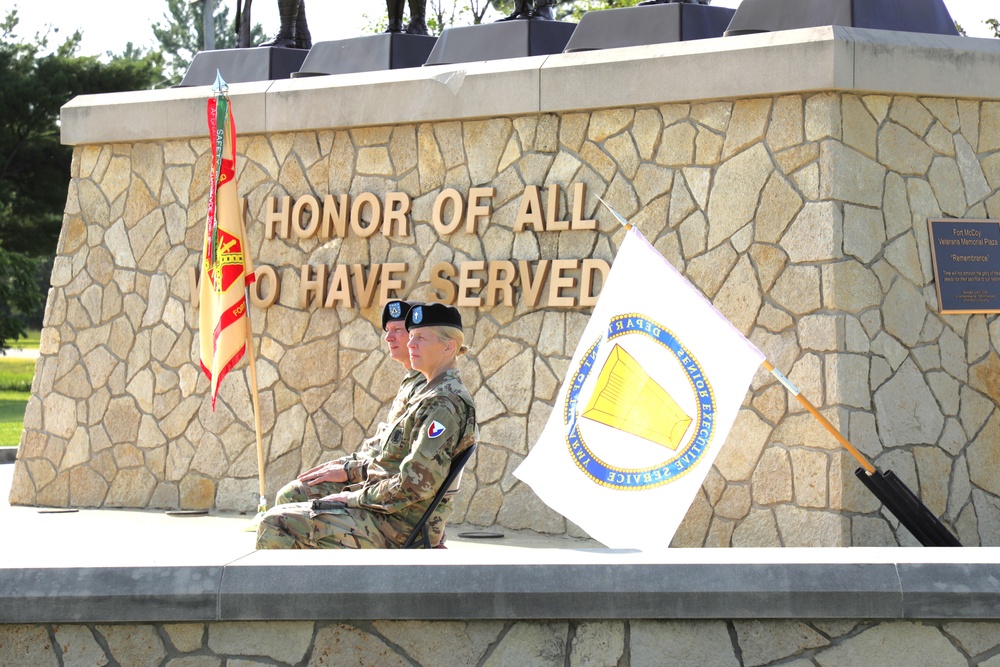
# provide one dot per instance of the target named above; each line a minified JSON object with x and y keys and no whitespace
{"x":966,"y":256}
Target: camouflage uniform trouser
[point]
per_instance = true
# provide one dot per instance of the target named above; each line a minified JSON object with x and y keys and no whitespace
{"x":299,"y":492}
{"x":298,"y":526}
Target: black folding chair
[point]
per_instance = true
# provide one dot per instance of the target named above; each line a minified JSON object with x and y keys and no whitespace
{"x":420,"y":537}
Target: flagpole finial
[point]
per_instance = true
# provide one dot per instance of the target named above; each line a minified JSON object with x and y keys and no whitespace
{"x":625,"y":223}
{"x":220,"y":85}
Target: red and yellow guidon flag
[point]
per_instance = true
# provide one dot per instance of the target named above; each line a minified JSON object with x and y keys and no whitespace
{"x":226,"y":267}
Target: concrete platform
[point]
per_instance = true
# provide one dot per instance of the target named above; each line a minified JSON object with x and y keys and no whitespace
{"x":117,"y":566}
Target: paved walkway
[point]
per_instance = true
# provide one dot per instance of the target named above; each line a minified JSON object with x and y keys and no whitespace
{"x":115,"y":566}
{"x":111,"y":537}
{"x":18,"y":353}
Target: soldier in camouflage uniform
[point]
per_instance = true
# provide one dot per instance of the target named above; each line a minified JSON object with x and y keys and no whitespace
{"x":331,"y":477}
{"x":439,"y":422}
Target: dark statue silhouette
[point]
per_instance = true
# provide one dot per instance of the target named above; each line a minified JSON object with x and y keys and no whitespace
{"x":531,"y":9}
{"x":294,"y":31}
{"x":417,"y":24}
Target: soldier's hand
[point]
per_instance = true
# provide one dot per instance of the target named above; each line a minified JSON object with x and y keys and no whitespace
{"x":314,"y":469}
{"x":328,"y":472}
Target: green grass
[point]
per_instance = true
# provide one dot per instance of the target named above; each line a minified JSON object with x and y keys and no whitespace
{"x":29,"y":342}
{"x":15,"y":389}
{"x":16,"y":374}
{"x":12,"y":405}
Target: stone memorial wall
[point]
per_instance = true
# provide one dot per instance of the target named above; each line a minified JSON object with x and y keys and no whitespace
{"x":802,"y":216}
{"x":639,"y":643}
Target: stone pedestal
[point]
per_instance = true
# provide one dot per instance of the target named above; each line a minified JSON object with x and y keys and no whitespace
{"x":263,"y":63}
{"x":930,"y":16}
{"x":655,"y":24}
{"x":497,"y":41}
{"x":369,"y":53}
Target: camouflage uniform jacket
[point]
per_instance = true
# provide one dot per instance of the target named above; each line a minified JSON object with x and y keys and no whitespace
{"x":439,"y":422}
{"x":371,"y":447}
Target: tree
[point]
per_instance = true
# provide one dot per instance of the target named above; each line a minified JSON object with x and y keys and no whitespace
{"x":20,"y":295}
{"x":443,"y":14}
{"x":34,"y":166}
{"x":993,"y":24}
{"x":183,"y":34}
{"x":573,"y":10}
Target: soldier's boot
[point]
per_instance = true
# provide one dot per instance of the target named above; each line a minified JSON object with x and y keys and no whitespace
{"x":288,"y":10}
{"x":303,"y":40}
{"x":417,"y":24}
{"x":395,"y":8}
{"x":542,"y":10}
{"x":520,"y":11}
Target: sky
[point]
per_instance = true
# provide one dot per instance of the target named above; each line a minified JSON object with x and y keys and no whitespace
{"x":328,"y":19}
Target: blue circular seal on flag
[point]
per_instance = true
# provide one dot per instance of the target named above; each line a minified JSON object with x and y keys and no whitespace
{"x":639,"y":410}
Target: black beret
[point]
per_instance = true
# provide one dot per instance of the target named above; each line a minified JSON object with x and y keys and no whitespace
{"x":433,"y":315}
{"x":396,"y":311}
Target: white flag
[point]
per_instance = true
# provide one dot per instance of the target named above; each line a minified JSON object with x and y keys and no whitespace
{"x":649,"y":398}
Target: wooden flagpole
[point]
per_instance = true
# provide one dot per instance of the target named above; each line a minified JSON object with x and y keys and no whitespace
{"x":262,"y":503}
{"x":252,"y":359}
{"x":794,"y":391}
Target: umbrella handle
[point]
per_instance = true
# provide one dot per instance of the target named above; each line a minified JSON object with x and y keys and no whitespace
{"x":794,"y":391}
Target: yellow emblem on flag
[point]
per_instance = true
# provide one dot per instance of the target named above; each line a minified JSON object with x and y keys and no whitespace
{"x":626,"y":398}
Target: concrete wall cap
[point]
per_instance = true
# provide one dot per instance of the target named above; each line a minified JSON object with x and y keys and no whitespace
{"x":499,"y":583}
{"x":767,"y":64}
